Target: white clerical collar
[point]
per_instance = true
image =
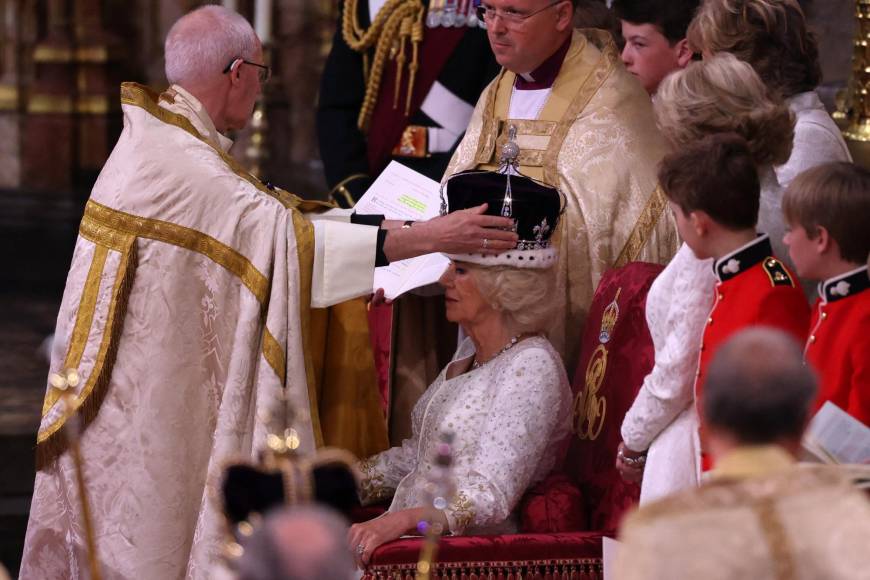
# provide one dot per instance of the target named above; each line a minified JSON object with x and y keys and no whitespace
{"x":527,"y":77}
{"x":190,"y":107}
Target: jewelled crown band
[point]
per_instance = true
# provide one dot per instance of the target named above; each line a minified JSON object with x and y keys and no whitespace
{"x":534,"y":206}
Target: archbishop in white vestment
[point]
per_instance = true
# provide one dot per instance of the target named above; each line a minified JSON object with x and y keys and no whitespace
{"x":185,"y":314}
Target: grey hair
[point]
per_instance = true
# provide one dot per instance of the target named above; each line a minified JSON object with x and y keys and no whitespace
{"x":523,"y":295}
{"x":203,"y":42}
{"x":298,"y":543}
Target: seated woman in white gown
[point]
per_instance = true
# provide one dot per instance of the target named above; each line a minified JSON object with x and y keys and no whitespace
{"x":505,"y":395}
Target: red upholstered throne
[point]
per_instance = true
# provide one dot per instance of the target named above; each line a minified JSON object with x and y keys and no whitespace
{"x":564,"y":517}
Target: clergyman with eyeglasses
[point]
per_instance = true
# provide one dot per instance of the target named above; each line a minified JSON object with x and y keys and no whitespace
{"x":187,"y":315}
{"x":584,"y":125}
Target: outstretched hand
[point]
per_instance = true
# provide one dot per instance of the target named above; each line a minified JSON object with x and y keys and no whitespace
{"x":470,"y":231}
{"x":466,"y":231}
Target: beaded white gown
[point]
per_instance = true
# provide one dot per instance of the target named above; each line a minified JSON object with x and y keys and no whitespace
{"x":663,"y":417}
{"x":510,"y":417}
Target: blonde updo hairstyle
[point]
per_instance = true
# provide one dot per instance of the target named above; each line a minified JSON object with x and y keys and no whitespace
{"x":524,"y":296}
{"x":723,"y":94}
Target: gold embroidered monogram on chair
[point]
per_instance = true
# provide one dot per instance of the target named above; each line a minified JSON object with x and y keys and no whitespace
{"x":590,"y":409}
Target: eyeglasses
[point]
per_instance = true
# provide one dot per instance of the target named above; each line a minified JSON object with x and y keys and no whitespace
{"x":264,"y":74}
{"x":510,"y":17}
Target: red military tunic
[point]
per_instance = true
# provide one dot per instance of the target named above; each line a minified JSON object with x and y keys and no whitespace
{"x":839,"y":343}
{"x":754,"y":288}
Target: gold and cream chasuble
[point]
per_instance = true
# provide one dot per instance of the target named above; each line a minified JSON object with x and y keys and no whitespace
{"x":187,"y":313}
{"x":595,"y":139}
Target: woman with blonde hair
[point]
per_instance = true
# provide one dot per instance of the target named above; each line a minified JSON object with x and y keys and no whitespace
{"x":504,"y":396}
{"x":772,"y":36}
{"x":721,"y":94}
{"x":725,"y":94}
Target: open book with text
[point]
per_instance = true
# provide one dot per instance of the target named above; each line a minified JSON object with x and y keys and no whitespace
{"x":834,"y":436}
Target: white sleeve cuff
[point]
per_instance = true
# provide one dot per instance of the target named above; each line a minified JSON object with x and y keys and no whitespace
{"x":337,"y":214}
{"x":344,"y":262}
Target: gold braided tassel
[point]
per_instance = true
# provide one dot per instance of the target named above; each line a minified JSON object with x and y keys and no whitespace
{"x":416,"y":39}
{"x":394,"y":23}
{"x":404,"y":33}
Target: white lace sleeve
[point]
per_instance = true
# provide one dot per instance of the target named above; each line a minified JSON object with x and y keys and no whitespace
{"x":529,"y":411}
{"x":667,"y":390}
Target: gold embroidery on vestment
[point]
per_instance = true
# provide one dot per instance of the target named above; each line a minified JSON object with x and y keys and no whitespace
{"x":274,"y":355}
{"x":643,"y":228}
{"x":777,"y":538}
{"x":50,"y":442}
{"x":98,"y":216}
{"x":84,"y":320}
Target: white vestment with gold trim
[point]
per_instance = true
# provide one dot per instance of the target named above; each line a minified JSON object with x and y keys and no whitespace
{"x":184,"y":314}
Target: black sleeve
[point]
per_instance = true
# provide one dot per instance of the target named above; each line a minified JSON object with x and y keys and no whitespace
{"x":367,"y":219}
{"x":342,"y":89}
{"x":380,"y":256}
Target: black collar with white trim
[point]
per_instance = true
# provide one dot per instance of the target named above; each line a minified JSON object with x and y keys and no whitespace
{"x":844,"y":285}
{"x":743,"y":258}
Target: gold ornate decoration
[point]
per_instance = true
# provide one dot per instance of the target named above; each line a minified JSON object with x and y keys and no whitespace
{"x":372,"y":488}
{"x":84,"y":320}
{"x":257,"y":151}
{"x":341,"y":189}
{"x":396,"y":24}
{"x":8,"y":97}
{"x":644,"y":226}
{"x":857,"y":105}
{"x":49,"y":441}
{"x":609,"y":318}
{"x":589,"y":409}
{"x":63,"y":54}
{"x":280,"y":455}
{"x":41,"y":103}
{"x":573,"y":568}
{"x":463,"y":511}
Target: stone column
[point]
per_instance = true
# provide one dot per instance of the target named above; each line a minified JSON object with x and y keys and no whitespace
{"x":10,"y":119}
{"x":97,"y":101}
{"x":49,"y":140}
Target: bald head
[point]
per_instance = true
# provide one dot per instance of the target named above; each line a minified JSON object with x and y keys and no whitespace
{"x":758,"y":389}
{"x":202,"y":43}
{"x":300,"y":543}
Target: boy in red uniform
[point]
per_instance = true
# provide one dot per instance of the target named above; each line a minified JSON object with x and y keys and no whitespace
{"x":713,"y":189}
{"x":827,"y":210}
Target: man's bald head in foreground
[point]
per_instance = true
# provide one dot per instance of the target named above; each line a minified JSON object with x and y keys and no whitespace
{"x":300,"y":543}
